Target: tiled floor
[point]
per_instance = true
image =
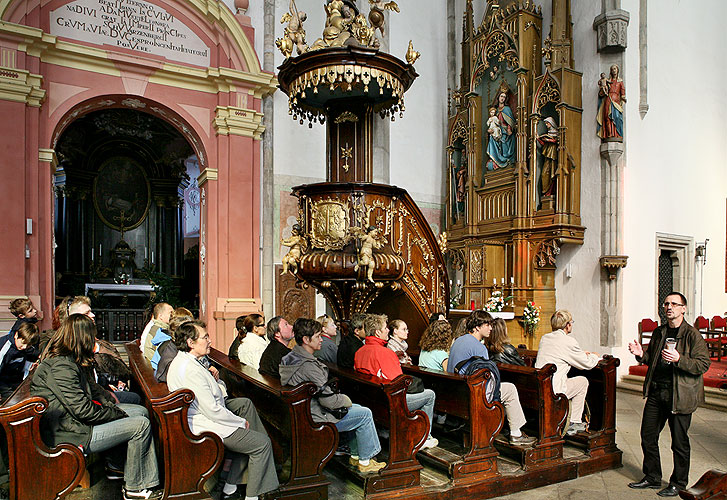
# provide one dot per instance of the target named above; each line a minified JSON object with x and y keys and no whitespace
{"x":709,"y":451}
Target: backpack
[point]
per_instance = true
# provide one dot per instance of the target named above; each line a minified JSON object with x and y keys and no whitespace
{"x":492,"y":391}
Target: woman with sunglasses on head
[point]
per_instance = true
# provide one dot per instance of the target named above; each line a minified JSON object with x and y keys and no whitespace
{"x":82,"y":413}
{"x":253,"y":345}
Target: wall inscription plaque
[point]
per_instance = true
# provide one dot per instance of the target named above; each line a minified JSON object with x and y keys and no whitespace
{"x":131,"y":24}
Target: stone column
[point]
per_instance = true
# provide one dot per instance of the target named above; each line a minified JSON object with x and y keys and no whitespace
{"x":611,"y":28}
{"x":382,"y":127}
{"x":268,"y":181}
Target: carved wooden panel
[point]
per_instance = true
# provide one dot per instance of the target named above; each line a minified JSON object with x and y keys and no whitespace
{"x":291,"y":302}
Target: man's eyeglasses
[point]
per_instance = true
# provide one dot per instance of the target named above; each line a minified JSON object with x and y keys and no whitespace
{"x":673,"y":304}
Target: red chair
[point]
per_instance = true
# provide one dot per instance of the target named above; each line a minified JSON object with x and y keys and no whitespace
{"x":719,"y":324}
{"x":646,"y":329}
{"x":713,"y":338}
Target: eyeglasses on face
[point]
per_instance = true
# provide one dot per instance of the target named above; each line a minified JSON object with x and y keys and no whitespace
{"x":673,"y":304}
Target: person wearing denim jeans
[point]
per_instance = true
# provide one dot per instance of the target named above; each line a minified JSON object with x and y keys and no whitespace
{"x":374,"y":358}
{"x":82,"y":413}
{"x":300,"y":365}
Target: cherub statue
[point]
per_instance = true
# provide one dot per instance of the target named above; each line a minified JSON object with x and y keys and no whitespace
{"x":411,"y":54}
{"x":338,"y":17}
{"x":369,"y":243}
{"x":603,"y":85}
{"x":294,"y":34}
{"x":376,"y":14}
{"x":295,"y":242}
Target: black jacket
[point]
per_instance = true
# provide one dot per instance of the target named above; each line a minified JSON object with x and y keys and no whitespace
{"x":347,"y":350}
{"x":271,"y":358}
{"x":75,"y":402}
{"x":508,"y":356}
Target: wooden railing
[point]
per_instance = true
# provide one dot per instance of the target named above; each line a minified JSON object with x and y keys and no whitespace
{"x":120,"y":325}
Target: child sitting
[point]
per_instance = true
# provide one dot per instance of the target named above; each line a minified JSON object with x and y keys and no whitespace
{"x":17,"y":356}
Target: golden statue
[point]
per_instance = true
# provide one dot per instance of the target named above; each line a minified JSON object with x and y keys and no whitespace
{"x":295,"y":242}
{"x":369,"y":243}
{"x":339,"y":17}
{"x":376,"y":14}
{"x":294,"y":34}
{"x":411,"y":54}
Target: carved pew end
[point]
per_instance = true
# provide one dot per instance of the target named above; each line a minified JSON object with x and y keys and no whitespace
{"x":711,"y":486}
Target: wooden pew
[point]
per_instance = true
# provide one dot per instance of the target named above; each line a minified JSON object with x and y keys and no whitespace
{"x":407,"y":430}
{"x":189,"y":460}
{"x":599,"y":442}
{"x":711,"y":486}
{"x":464,"y":397}
{"x":546,"y":414}
{"x":36,"y":471}
{"x":285,"y":410}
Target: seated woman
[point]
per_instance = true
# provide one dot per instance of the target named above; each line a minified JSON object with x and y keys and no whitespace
{"x":235,"y":421}
{"x":300,"y":365}
{"x":397,"y":340}
{"x":499,"y":346}
{"x":435,"y":343}
{"x":82,"y":413}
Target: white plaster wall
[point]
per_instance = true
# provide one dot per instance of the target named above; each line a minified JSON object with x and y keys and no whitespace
{"x":419,"y":138}
{"x":676,"y":175}
{"x":580,"y":294}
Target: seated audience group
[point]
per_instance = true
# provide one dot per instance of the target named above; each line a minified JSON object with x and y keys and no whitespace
{"x":85,"y":381}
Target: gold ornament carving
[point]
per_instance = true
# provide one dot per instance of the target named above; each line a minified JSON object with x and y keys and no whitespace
{"x":330,"y":223}
{"x":475,"y":266}
{"x":346,"y":154}
{"x":346,"y":116}
{"x":411,"y":54}
{"x":545,"y":256}
{"x":549,"y":92}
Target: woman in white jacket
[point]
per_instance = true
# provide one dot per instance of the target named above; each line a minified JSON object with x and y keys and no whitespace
{"x":235,"y":421}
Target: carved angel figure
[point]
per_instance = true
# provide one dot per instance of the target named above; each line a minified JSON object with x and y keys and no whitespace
{"x":294,"y":34}
{"x":411,"y":54}
{"x":369,"y":243}
{"x":376,"y":15}
{"x":295,"y":242}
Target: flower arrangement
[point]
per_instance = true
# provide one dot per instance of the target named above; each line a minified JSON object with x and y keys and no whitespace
{"x":496,"y":302}
{"x":531,"y":317}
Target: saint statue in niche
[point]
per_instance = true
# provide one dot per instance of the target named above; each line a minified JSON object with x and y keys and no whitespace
{"x":461,"y":186}
{"x":501,"y":134}
{"x":548,"y":150}
{"x":611,"y":96}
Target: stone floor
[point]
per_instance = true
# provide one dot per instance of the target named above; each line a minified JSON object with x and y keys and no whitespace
{"x":708,"y":439}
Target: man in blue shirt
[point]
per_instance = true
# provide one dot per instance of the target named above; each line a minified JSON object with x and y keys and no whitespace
{"x":470,"y":345}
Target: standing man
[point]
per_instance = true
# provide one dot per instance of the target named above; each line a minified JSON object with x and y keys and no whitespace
{"x":279,"y":333}
{"x":673,"y":389}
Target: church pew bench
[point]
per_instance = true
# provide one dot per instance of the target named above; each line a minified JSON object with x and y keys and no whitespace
{"x":189,"y":460}
{"x":407,"y":430}
{"x":599,"y":442}
{"x":545,"y":411}
{"x":306,"y":446}
{"x":711,"y":486}
{"x":28,"y":455}
{"x":464,"y":397}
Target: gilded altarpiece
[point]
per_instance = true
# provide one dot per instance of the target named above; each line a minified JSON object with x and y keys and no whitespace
{"x":514,"y":158}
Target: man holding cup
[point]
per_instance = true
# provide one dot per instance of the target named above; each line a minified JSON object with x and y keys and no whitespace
{"x":673,"y":389}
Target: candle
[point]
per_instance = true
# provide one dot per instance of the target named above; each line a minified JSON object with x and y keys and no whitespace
{"x":512,"y":280}
{"x":146,"y":255}
{"x":92,"y":254}
{"x":494,"y":281}
{"x":459,"y":282}
{"x":450,"y":282}
{"x":100,"y":253}
{"x":503,"y":281}
{"x":152,"y":256}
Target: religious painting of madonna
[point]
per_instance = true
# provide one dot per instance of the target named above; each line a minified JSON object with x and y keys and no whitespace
{"x":121,"y":193}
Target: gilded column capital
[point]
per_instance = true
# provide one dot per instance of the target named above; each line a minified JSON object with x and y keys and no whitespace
{"x":208,"y":174}
{"x":48,"y":156}
{"x":19,"y":85}
{"x":230,"y":120}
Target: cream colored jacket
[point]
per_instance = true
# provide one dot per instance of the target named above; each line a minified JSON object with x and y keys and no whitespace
{"x":564,"y":352}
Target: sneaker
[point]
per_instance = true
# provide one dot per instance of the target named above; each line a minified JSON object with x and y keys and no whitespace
{"x":114,"y":473}
{"x":373,"y":466}
{"x":574,"y":428}
{"x":144,"y":494}
{"x":353,"y":461}
{"x":522,"y":440}
{"x":431,"y":442}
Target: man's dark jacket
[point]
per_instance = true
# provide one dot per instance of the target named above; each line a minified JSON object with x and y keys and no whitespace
{"x":688,"y":385}
{"x":347,"y":350}
{"x":271,"y":358}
